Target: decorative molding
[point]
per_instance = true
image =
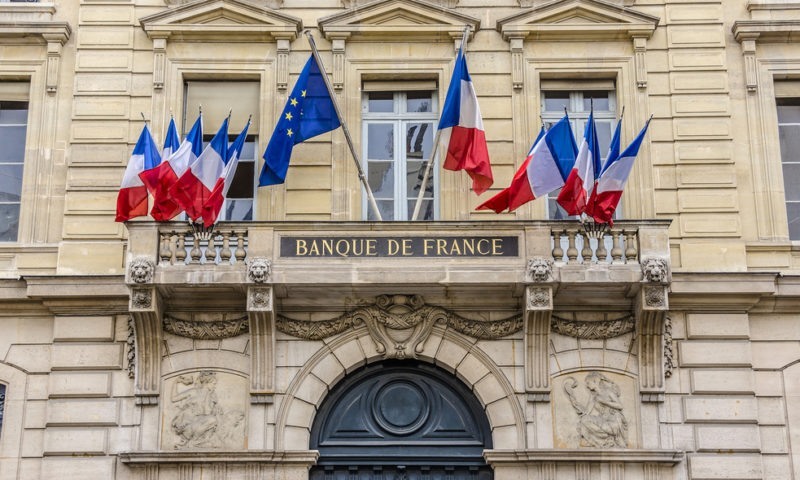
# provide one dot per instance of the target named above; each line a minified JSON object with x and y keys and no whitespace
{"x":593,"y":330}
{"x":141,"y":270}
{"x":282,"y":65}
{"x":145,"y":307}
{"x":159,"y":62}
{"x":538,"y":314}
{"x":259,"y":269}
{"x":669,"y":353}
{"x":338,"y":50}
{"x":261,"y":315}
{"x":399,"y":325}
{"x":571,"y":455}
{"x":358,"y":3}
{"x":655,"y":297}
{"x":539,"y":269}
{"x":651,"y":312}
{"x":268,"y":3}
{"x":142,"y":298}
{"x":517,"y":62}
{"x":259,"y":299}
{"x":130,"y":343}
{"x":206,"y":330}
{"x":640,"y":58}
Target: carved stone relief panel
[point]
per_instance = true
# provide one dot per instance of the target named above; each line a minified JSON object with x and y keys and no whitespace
{"x":204,"y":410}
{"x":594,"y":409}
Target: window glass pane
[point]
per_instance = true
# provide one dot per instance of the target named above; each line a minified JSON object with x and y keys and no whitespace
{"x":554,"y":210}
{"x":248,"y":149}
{"x":603,"y":129}
{"x":414,"y":172}
{"x":425,"y":210}
{"x":242,"y":185}
{"x":380,"y":141}
{"x":381,"y":179}
{"x":599,"y":98}
{"x":13,"y":113}
{"x":556,"y":101}
{"x":789,"y":111}
{"x":12,"y":140}
{"x":10,"y":182}
{"x":419,"y":140}
{"x":381,"y":102}
{"x":790,"y":142}
{"x":239,"y":210}
{"x":419,"y":102}
{"x":9,"y":222}
{"x":793,"y":212}
{"x":386,"y":208}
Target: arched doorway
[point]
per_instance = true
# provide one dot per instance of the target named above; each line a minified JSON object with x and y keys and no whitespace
{"x":401,"y":421}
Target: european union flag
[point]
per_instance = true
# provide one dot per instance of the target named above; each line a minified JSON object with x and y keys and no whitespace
{"x":309,"y":112}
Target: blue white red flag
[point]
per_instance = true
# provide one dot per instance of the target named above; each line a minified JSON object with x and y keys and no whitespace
{"x":160,"y":180}
{"x":193,"y":188}
{"x":581,"y":179}
{"x":548,"y":162}
{"x":462,"y":134}
{"x":606,"y":195}
{"x":171,"y":141}
{"x":213,"y":205}
{"x":132,"y":197}
{"x":309,"y":112}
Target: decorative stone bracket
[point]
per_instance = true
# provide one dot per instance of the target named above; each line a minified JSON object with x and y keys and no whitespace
{"x":260,"y":310}
{"x":146,"y":311}
{"x":651,"y":314}
{"x":538,"y":314}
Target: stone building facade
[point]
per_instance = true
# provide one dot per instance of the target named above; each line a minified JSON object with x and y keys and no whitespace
{"x":303,"y":340}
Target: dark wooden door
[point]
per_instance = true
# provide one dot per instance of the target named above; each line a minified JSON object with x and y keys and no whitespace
{"x":401,"y":421}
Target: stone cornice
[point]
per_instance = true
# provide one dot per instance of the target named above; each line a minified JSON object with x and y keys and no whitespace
{"x":240,"y":456}
{"x":578,"y":20}
{"x":767,"y":31}
{"x":191,"y":22}
{"x":35,"y":32}
{"x":721,"y":291}
{"x":496,"y":457}
{"x":424,"y":19}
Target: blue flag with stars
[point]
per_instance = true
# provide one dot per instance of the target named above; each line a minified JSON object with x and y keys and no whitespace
{"x":309,"y":112}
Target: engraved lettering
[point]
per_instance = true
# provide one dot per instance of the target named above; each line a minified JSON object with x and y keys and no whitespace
{"x":372,"y":245}
{"x":302,"y":249}
{"x":343,"y":248}
{"x":427,"y":246}
{"x":497,"y":246}
{"x":327,"y":246}
{"x":314,"y":249}
{"x":483,"y":246}
{"x":407,"y":247}
{"x":441,"y":244}
{"x":394,"y":247}
{"x":469,"y":246}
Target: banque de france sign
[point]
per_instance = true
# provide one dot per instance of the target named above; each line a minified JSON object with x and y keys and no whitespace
{"x":436,"y":246}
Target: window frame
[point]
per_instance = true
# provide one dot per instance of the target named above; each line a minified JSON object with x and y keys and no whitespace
{"x":21,"y":163}
{"x":399,"y":118}
{"x":784,"y":162}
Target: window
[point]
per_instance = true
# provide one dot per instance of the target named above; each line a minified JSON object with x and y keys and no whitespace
{"x":789,"y":133}
{"x":242,"y":99}
{"x":578,"y":103}
{"x":13,"y":127}
{"x":398,"y":132}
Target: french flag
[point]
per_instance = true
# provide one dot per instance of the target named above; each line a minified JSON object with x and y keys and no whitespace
{"x":581,"y":179}
{"x":215,"y":201}
{"x":606,"y":194}
{"x":132,"y":197}
{"x":461,"y":129}
{"x":194,"y":187}
{"x":549,"y":160}
{"x":176,"y":158}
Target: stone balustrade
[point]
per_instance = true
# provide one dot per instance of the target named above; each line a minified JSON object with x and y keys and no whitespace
{"x":186,"y":245}
{"x":575,"y":243}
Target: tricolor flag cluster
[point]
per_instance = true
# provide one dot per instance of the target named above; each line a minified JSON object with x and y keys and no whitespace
{"x":184,"y":177}
{"x":588,"y":185}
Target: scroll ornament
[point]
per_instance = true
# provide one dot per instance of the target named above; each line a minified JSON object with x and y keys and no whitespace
{"x":399,"y":325}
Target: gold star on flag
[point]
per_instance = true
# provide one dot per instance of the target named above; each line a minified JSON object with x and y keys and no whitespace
{"x":303,"y":94}
{"x":293,"y":102}
{"x":288,"y":116}
{"x":289,"y":132}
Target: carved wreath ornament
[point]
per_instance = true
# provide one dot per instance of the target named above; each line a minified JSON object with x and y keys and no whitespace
{"x":399,"y":325}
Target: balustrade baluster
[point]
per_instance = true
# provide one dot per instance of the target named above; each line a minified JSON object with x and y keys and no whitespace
{"x":631,"y":252}
{"x":165,"y":253}
{"x":195,"y":252}
{"x":572,"y":251}
{"x":180,"y":248}
{"x":211,"y":250}
{"x":558,"y":252}
{"x":225,"y":252}
{"x":602,"y":253}
{"x":240,"y":251}
{"x":616,"y":250}
{"x":586,"y":251}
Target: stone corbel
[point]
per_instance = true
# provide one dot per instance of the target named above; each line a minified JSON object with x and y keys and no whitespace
{"x":639,"y":54}
{"x":538,"y":313}
{"x":54,"y":44}
{"x":652,"y":305}
{"x":260,"y":310}
{"x":146,"y":311}
{"x":159,"y":62}
{"x":517,"y":63}
{"x":748,"y":42}
{"x":338,"y":48}
{"x":282,"y":67}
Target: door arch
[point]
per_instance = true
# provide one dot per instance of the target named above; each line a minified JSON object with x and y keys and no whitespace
{"x":401,"y":420}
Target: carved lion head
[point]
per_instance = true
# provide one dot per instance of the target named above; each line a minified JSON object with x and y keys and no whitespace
{"x":259,"y":269}
{"x":655,"y":270}
{"x":142,"y":269}
{"x":540,"y":269}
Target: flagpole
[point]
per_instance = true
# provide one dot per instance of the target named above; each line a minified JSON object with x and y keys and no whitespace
{"x":346,"y":131}
{"x":424,"y":183}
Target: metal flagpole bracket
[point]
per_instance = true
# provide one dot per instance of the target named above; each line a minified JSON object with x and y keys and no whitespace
{"x":373,"y":204}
